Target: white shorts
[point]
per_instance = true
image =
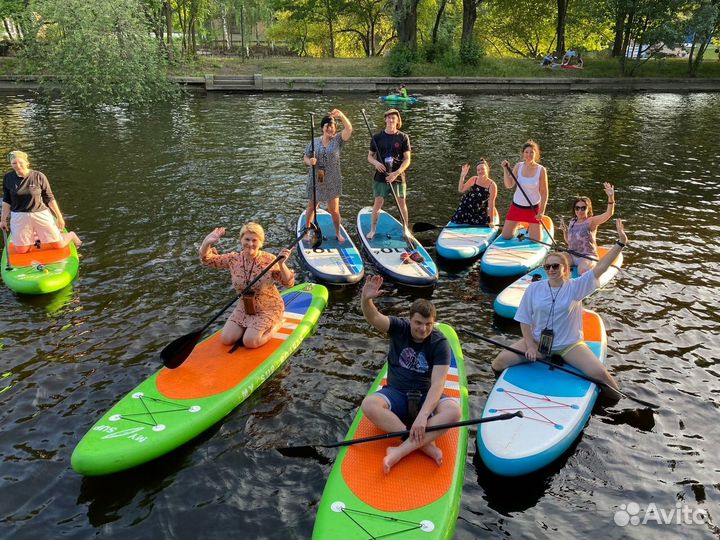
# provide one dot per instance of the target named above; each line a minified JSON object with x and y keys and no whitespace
{"x":24,"y":226}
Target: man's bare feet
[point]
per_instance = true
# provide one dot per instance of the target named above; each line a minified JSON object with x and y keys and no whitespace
{"x":340,"y":238}
{"x":392,"y":455}
{"x":371,"y":234}
{"x":433,"y":452}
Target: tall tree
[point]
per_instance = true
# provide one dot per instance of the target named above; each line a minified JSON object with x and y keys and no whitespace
{"x":562,"y":8}
{"x":470,"y":8}
{"x":703,"y":24}
{"x":406,"y":17}
{"x":371,"y":22}
{"x":96,"y":52}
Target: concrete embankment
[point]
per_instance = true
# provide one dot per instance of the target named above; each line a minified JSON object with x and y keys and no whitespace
{"x":421,"y":85}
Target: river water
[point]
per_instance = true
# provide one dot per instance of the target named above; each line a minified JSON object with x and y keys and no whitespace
{"x":142,"y":190}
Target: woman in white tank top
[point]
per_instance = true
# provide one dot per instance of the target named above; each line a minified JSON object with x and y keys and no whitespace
{"x":529,"y":202}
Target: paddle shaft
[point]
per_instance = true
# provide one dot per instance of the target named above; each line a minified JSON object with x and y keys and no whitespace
{"x":522,"y":190}
{"x":554,"y":365}
{"x":314,"y":209}
{"x":392,"y":435}
{"x":410,"y":245}
{"x":8,"y":266}
{"x":253,"y":282}
{"x":522,"y":237}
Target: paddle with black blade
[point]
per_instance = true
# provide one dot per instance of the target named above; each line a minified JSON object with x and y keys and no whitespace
{"x":8,"y":266}
{"x":406,"y":232}
{"x":290,"y":450}
{"x":523,"y":236}
{"x":556,"y":361}
{"x":522,"y":190}
{"x":317,"y":232}
{"x":178,"y":350}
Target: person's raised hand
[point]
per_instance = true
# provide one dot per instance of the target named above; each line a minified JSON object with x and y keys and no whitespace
{"x":371,"y":289}
{"x":214,"y":237}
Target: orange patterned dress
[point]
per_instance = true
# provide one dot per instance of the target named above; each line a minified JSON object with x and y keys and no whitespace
{"x":268,"y":302}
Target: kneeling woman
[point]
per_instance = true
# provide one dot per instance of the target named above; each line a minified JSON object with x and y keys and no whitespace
{"x":555,"y":307}
{"x":28,"y":201}
{"x":257,"y":315}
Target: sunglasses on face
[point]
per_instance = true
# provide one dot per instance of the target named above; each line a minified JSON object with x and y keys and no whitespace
{"x":581,"y":208}
{"x":552,"y":266}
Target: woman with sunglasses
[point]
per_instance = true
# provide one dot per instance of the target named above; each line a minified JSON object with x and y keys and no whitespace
{"x":551,"y":313}
{"x":580,"y":232}
{"x":477,"y":204}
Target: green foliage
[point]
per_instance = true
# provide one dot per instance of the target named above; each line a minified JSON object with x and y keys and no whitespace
{"x":400,"y":60}
{"x":96,"y":53}
{"x":471,"y":53}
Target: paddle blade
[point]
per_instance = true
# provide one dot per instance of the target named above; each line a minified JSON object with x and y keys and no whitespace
{"x":422,"y":227}
{"x":177,"y":351}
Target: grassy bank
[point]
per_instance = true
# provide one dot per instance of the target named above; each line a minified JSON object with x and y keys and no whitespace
{"x":377,"y":67}
{"x":282,"y":66}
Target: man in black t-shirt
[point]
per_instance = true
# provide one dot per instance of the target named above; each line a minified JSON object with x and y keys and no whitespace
{"x":393,"y":147}
{"x":418,"y":361}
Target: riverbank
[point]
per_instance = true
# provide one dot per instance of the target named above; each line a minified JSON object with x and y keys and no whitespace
{"x":418,"y":85}
{"x":369,"y":75}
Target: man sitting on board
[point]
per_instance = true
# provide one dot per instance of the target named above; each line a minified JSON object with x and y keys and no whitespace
{"x":418,"y":363}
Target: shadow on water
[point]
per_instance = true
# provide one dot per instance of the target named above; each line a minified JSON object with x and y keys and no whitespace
{"x":509,"y":494}
{"x":51,"y":302}
{"x":106,"y":496}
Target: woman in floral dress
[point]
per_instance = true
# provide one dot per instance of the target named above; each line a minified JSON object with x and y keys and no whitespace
{"x":257,"y":316}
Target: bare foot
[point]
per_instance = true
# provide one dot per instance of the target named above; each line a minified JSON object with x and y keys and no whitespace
{"x":371,"y":234}
{"x":392,"y":456}
{"x":434,"y":452}
{"x":340,"y":238}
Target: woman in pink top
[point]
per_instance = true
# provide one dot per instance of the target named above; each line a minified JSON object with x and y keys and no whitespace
{"x":531,"y":192}
{"x":257,"y":316}
{"x":580,"y":232}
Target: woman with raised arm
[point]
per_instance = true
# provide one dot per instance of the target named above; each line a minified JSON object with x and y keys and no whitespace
{"x":580,"y":232}
{"x":259,"y":313}
{"x":551,"y":312}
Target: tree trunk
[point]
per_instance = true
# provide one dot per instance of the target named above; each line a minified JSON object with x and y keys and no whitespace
{"x":406,"y":22}
{"x":438,"y":18}
{"x":169,"y":29}
{"x":224,"y":23}
{"x":620,"y":15}
{"x":469,"y":18}
{"x":332,"y":37}
{"x":562,"y":6}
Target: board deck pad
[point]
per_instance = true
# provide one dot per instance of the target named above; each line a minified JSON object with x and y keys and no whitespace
{"x":333,"y":261}
{"x":387,"y":246}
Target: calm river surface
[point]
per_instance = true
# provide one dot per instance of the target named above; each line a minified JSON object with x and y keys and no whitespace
{"x":143,"y":190}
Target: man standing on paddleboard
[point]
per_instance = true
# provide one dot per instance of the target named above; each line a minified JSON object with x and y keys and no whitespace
{"x":390,"y":155}
{"x":418,"y":363}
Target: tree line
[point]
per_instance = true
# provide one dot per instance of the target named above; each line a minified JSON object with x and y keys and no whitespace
{"x":102,"y":40}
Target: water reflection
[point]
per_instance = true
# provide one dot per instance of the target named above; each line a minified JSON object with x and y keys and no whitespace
{"x":143,"y":190}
